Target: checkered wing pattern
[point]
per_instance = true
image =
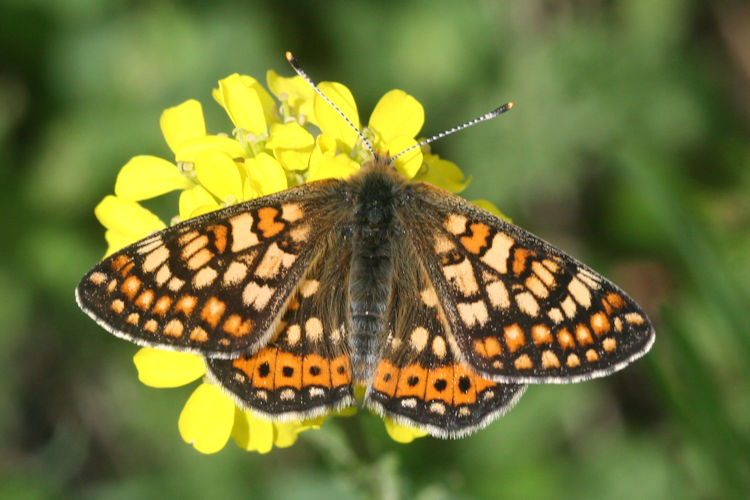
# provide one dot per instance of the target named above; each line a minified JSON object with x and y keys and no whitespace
{"x":519,"y":309}
{"x":305,"y":370}
{"x":420,"y":379}
{"x":214,"y":285}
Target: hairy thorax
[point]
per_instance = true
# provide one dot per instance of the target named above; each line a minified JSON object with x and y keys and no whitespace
{"x":376,"y":191}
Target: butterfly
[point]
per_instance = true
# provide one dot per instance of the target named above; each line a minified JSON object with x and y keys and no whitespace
{"x":441,"y":310}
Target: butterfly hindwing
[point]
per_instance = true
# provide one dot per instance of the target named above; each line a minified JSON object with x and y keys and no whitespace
{"x":305,"y":370}
{"x":521,"y":310}
{"x":419,"y":380}
{"x":215,"y":284}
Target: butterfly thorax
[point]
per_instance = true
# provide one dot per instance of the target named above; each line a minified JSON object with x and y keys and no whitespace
{"x":375,"y":192}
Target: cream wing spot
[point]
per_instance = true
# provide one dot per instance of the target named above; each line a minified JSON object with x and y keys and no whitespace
{"x":555,"y":315}
{"x":300,"y":233}
{"x":313,"y":329}
{"x":117,"y":306}
{"x":155,"y":259}
{"x":418,"y":339}
{"x":455,"y":224}
{"x":235,"y":273}
{"x":569,"y":307}
{"x":609,"y":344}
{"x":442,"y":244}
{"x":523,"y":362}
{"x":543,"y":274}
{"x":308,"y":288}
{"x":98,"y":278}
{"x":527,"y":303}
{"x":195,"y":245}
{"x":461,"y":277}
{"x":204,"y":277}
{"x":580,"y":292}
{"x":257,"y":296}
{"x":175,"y":284}
{"x":174,"y":328}
{"x":188,"y":237}
{"x":429,"y":297}
{"x":537,"y":287}
{"x":272,"y":262}
{"x":200,"y":259}
{"x":573,"y":361}
{"x":498,"y":295}
{"x":438,"y":347}
{"x":474,"y":313}
{"x":549,"y":360}
{"x":163,"y":274}
{"x":291,"y":212}
{"x":634,"y":318}
{"x":293,"y":334}
{"x":497,"y":254}
{"x":242,"y":234}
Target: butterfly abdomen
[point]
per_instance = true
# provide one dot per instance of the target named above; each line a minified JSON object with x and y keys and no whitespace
{"x":372,"y":229}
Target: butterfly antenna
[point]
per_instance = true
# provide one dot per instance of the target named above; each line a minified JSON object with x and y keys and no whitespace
{"x":295,"y":66}
{"x":487,"y":116}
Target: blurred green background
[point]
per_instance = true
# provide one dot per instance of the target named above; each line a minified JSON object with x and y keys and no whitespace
{"x":629,"y":148}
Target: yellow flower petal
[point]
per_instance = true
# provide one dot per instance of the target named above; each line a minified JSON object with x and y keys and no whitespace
{"x":285,"y":433}
{"x":293,"y":159}
{"x":219,"y":174}
{"x":289,"y":136}
{"x":206,"y":420}
{"x":266,"y":101}
{"x":251,"y":433}
{"x":297,"y":93}
{"x":242,"y":104}
{"x":402,"y":434}
{"x":325,"y":147}
{"x":145,"y":177}
{"x":328,"y":119}
{"x":408,"y":164}
{"x":126,"y":219}
{"x":194,"y":198}
{"x":264,"y":175}
{"x":189,"y":148}
{"x":339,"y":167}
{"x":491,"y":208}
{"x":443,"y":174}
{"x":159,"y":368}
{"x":397,"y":114}
{"x":182,"y":122}
{"x":116,"y":241}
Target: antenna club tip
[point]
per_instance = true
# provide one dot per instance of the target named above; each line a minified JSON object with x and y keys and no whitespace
{"x":509,"y":105}
{"x":289,"y":56}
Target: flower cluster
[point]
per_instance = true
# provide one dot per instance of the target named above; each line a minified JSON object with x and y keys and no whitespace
{"x":276,"y":143}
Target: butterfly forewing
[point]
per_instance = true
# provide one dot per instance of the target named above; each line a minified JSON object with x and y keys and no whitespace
{"x":420,"y":380}
{"x":521,"y":310}
{"x":216,"y":284}
{"x":305,"y":370}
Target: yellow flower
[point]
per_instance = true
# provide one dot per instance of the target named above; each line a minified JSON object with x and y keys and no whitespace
{"x":274,"y":145}
{"x":394,"y":122}
{"x":210,"y":417}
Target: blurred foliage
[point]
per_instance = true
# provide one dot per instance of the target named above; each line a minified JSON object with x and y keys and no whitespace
{"x":629,"y":147}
